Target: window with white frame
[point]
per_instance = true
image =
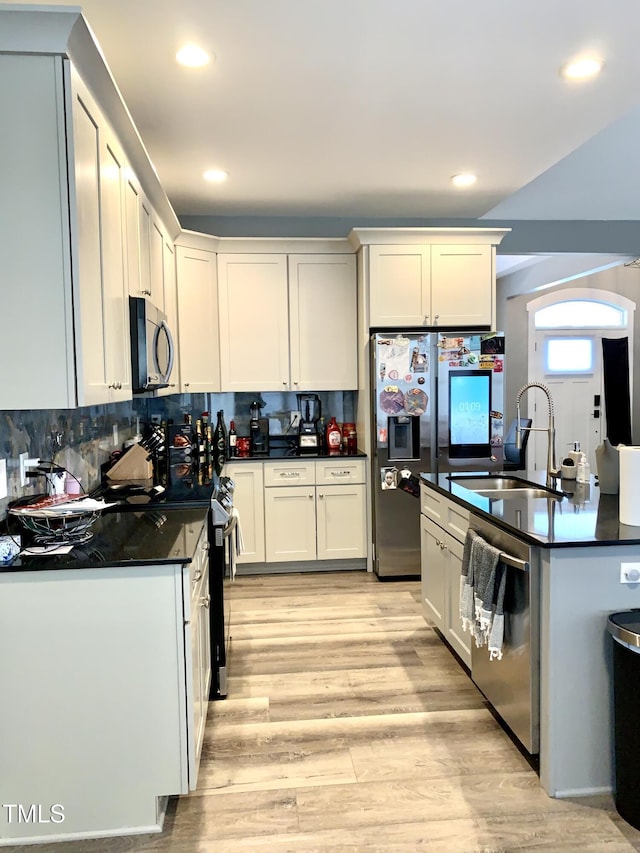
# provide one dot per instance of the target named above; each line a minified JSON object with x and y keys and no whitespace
{"x":580,"y":314}
{"x":568,"y":354}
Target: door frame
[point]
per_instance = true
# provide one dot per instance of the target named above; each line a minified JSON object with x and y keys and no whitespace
{"x":571,"y":294}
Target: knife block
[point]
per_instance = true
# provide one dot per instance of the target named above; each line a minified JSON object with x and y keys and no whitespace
{"x":135,"y":464}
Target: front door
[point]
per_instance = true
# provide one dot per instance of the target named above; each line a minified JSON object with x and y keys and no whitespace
{"x":570,"y":364}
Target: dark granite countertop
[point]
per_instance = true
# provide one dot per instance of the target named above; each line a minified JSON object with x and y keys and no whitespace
{"x":584,"y":517}
{"x":147,"y":537}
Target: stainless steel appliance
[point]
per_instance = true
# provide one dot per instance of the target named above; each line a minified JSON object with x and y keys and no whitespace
{"x":308,"y":438}
{"x":436,"y":405}
{"x":222,"y":532}
{"x":152,"y":346}
{"x":258,"y":430}
{"x":512,"y":684}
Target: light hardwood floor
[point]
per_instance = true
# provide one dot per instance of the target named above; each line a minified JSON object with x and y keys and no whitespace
{"x":350,"y":727}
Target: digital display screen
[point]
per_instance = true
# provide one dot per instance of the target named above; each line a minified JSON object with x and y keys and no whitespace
{"x":470,"y":413}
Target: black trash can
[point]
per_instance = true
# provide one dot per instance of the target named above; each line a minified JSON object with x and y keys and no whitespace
{"x":624,"y":627}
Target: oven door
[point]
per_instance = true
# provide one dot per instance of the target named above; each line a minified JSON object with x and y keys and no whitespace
{"x":221,"y":572}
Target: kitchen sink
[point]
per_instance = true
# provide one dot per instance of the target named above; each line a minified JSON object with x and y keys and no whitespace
{"x":503,"y":488}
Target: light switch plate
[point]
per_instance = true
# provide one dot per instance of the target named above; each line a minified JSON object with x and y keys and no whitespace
{"x":3,"y":479}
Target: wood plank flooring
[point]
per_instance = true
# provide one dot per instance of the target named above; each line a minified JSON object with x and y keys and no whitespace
{"x":350,"y":727}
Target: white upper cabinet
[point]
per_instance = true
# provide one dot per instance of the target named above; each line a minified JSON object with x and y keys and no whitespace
{"x":71,"y":252}
{"x":197,"y":297}
{"x":254,"y":322}
{"x":400,"y":286}
{"x":97,"y":195}
{"x":323,"y":322}
{"x":430,"y":277}
{"x":462,"y":285}
{"x":287,"y":322}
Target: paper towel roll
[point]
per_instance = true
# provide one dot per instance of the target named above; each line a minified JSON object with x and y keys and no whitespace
{"x":630,"y":485}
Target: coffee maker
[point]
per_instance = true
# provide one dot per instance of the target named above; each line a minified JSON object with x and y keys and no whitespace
{"x":308,"y":438}
{"x":258,"y":430}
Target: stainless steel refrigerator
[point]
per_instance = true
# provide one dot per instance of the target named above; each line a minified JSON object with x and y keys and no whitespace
{"x":436,"y":406}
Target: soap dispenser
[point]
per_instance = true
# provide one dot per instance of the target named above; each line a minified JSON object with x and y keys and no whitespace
{"x":576,"y":453}
{"x":584,"y":470}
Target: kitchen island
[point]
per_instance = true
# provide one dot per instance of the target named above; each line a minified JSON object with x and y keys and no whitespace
{"x":104,"y":676}
{"x":581,"y":548}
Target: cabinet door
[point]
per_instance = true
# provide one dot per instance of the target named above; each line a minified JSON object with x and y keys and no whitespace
{"x":254,"y":325}
{"x":197,"y":320}
{"x":399,"y":286}
{"x":156,"y":238}
{"x":132,"y":203}
{"x":290,"y":523}
{"x":341,"y":522}
{"x":323,"y":322}
{"x":458,"y":639}
{"x":145,"y":215}
{"x":91,"y":357}
{"x":115,"y":293}
{"x":171,"y":310}
{"x":433,"y":572}
{"x":195,"y":697}
{"x":462,"y":285}
{"x":248,"y":498}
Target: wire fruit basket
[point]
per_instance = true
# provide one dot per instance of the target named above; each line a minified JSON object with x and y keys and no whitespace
{"x":61,"y":525}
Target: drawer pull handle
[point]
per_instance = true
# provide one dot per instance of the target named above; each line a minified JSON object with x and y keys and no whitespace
{"x":289,"y":474}
{"x":340,"y":473}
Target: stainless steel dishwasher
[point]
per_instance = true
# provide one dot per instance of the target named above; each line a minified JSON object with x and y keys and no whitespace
{"x":512,"y":684}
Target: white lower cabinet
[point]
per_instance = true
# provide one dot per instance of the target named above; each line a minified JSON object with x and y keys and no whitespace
{"x":340,"y":522}
{"x":433,"y":572}
{"x":290,"y":523}
{"x":442,"y":545}
{"x":122,"y":653}
{"x":300,"y":510}
{"x":248,"y":499}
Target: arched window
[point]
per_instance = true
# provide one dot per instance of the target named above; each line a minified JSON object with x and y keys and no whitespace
{"x":581,"y":314}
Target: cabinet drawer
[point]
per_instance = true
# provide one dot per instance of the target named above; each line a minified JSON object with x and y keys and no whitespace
{"x":449,"y":515}
{"x":289,"y":474}
{"x":456,"y":520}
{"x":432,"y":504}
{"x":339,"y":471}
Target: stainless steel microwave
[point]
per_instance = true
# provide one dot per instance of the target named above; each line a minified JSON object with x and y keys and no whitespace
{"x":152,"y":346}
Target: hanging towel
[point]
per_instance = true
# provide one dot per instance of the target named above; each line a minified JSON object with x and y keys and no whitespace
{"x":496,"y":632}
{"x":477,"y":586}
{"x":466,"y":583}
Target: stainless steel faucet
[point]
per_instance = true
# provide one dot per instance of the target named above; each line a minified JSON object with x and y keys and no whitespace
{"x":552,"y":468}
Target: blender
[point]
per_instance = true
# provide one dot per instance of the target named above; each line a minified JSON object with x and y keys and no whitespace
{"x":258,"y":430}
{"x":308,"y":439}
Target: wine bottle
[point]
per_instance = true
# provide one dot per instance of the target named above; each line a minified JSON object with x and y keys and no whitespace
{"x":232,"y":439}
{"x":220,"y":443}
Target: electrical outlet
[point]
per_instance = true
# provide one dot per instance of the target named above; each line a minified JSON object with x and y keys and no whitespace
{"x":295,"y":419}
{"x":3,"y":478}
{"x":25,"y":464}
{"x":629,"y":572}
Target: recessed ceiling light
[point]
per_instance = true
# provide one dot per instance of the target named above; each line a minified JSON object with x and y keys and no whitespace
{"x":465,"y":179}
{"x":193,"y":56}
{"x":216,"y":176}
{"x":582,"y":68}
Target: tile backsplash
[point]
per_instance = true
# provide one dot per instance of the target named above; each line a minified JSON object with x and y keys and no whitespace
{"x":81,"y":440}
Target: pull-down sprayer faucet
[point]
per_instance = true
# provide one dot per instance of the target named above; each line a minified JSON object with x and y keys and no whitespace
{"x":550,"y":429}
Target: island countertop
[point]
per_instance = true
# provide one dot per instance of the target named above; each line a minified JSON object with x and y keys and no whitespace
{"x":148,"y":537}
{"x":584,"y":516}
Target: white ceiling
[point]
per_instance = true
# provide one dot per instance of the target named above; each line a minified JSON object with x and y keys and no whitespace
{"x":365,"y":108}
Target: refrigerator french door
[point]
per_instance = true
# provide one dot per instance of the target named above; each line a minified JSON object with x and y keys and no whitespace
{"x":436,"y":406}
